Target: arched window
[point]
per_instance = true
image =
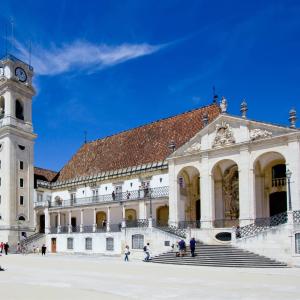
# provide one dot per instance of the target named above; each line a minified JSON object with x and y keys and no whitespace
{"x":21,"y":218}
{"x":2,"y":106}
{"x":137,"y":241}
{"x":19,"y":110}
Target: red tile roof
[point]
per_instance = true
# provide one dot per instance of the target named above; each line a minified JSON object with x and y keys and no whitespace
{"x":138,"y":146}
{"x":44,"y":174}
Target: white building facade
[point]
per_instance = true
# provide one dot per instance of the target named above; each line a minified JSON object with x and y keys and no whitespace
{"x":204,"y":173}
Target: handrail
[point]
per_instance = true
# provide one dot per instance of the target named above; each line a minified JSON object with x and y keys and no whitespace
{"x":261,"y":224}
{"x":180,"y":232}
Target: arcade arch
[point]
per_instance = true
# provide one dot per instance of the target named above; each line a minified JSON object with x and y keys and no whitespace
{"x":189,"y":189}
{"x":100,"y":217}
{"x":225,"y":178}
{"x":270,"y":184}
{"x":162,"y":215}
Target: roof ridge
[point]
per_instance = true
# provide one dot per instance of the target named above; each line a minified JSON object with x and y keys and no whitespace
{"x":153,"y":122}
{"x":45,"y":169}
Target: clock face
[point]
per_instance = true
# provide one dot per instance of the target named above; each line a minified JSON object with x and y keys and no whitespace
{"x":21,"y":75}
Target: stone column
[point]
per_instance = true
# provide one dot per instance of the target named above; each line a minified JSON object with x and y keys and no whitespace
{"x":219,"y":201}
{"x":206,"y":194}
{"x":142,"y":210}
{"x":174,"y":195}
{"x":81,"y":220}
{"x":247,"y":203}
{"x":58,"y":223}
{"x":293,"y":164}
{"x":47,"y":220}
{"x":35,"y":220}
{"x":259,"y":192}
{"x":95,"y":220}
{"x":123,"y":217}
{"x":108,"y":219}
{"x":70,"y":221}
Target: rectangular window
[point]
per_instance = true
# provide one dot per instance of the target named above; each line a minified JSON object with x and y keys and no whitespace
{"x":0,"y":181}
{"x":88,"y":244}
{"x":73,"y":198}
{"x":109,"y":244}
{"x":70,"y":243}
{"x":0,"y":199}
{"x":297,"y":243}
{"x":0,"y":164}
{"x":118,"y":193}
{"x":21,"y":182}
{"x":137,"y":241}
{"x":21,"y":165}
{"x":40,"y":197}
{"x":21,"y":200}
{"x":95,"y":194}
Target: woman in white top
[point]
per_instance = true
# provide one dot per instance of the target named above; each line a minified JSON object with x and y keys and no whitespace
{"x":126,"y":252}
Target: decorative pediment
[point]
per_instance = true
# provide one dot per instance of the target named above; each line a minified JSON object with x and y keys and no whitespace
{"x":224,"y":135}
{"x":257,"y":134}
{"x":195,"y":147}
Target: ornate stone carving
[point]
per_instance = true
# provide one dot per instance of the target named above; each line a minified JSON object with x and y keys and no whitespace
{"x":256,"y":134}
{"x":231,"y":193}
{"x":194,"y":148}
{"x":224,"y":135}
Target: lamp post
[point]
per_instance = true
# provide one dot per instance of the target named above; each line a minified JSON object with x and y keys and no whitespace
{"x":288,"y":176}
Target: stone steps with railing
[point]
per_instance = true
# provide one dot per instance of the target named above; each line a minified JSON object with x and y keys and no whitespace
{"x":261,"y":224}
{"x":219,"y":256}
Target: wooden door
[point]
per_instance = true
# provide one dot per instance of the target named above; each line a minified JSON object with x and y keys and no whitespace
{"x":53,"y":245}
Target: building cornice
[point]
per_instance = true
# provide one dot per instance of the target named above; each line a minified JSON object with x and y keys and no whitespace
{"x":150,"y":167}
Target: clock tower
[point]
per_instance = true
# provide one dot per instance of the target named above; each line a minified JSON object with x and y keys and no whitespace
{"x":16,"y":149}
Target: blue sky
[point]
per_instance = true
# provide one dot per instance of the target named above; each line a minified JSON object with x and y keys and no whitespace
{"x":107,"y":66}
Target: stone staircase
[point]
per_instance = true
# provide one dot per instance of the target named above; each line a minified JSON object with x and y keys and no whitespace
{"x":32,"y":238}
{"x":219,"y":256}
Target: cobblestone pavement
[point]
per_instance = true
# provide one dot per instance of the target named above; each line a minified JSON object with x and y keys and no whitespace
{"x":97,"y":277}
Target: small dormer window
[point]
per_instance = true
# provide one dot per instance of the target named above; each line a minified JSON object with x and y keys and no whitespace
{"x":21,"y":147}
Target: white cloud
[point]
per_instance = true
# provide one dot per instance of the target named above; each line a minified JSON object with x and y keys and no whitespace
{"x":83,"y":55}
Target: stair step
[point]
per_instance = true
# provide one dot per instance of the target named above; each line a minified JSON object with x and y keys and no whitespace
{"x":219,"y":256}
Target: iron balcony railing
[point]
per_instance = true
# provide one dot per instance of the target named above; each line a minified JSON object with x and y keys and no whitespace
{"x":153,"y":193}
{"x":189,"y":224}
{"x":137,"y":223}
{"x":278,"y":182}
{"x":261,"y":224}
{"x":85,"y":229}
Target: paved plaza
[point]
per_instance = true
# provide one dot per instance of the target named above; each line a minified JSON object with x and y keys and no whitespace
{"x":93,"y":277}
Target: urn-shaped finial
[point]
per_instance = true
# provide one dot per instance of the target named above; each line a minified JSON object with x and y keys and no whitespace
{"x":244,"y":109}
{"x":223,"y":105}
{"x":292,"y":118}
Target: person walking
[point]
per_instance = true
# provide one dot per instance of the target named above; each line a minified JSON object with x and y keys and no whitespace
{"x":127,"y":253}
{"x":1,"y":247}
{"x":147,"y":252}
{"x":192,"y":246}
{"x":44,"y":248}
{"x":182,"y":248}
{"x":6,"y":246}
